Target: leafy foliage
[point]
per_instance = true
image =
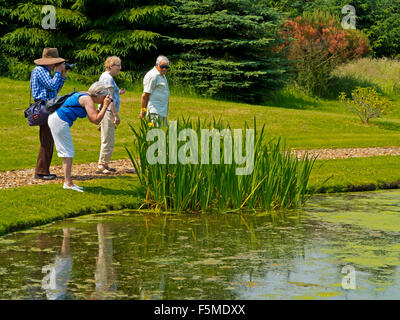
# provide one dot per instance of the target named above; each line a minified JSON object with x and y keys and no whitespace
{"x":366,"y":103}
{"x":221,"y":48}
{"x":378,"y":19}
{"x":319,"y":46}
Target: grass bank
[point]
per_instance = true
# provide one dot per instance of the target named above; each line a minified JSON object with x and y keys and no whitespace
{"x":355,"y":174}
{"x":382,"y":73}
{"x":30,"y":206}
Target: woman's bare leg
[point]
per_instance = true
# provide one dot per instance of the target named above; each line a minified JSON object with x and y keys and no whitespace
{"x":67,"y":165}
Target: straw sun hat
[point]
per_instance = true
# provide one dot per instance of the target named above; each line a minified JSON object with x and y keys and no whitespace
{"x":49,"y":56}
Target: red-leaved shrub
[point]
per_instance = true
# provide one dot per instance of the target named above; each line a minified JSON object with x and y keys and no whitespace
{"x":317,"y":44}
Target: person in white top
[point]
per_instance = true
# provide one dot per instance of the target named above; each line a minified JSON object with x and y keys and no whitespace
{"x":155,"y":97}
{"x":111,"y":118}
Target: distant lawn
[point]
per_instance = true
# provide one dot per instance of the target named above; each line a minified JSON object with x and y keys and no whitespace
{"x":303,"y":121}
{"x":382,"y":73}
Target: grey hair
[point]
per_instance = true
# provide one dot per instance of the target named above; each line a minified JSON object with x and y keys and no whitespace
{"x":98,"y":89}
{"x":161,"y":58}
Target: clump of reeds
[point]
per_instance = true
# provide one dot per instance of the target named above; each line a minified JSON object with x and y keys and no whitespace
{"x":279,"y":179}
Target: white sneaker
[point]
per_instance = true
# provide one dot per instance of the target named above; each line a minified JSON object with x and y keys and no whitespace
{"x":75,"y":188}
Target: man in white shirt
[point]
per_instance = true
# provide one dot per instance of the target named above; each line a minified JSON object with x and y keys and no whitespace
{"x":155,"y":97}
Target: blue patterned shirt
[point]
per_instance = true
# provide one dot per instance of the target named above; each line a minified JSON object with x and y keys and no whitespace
{"x":43,"y":86}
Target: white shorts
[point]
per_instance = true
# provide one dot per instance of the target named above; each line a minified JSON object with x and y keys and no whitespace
{"x":62,"y":136}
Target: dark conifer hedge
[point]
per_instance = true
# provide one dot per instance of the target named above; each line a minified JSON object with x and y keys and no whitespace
{"x":87,"y":32}
{"x":220,"y":47}
{"x":226,"y":48}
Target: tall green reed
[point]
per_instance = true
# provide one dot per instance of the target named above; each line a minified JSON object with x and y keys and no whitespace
{"x":279,"y":179}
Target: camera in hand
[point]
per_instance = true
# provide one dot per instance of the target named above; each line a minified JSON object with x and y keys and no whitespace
{"x":69,"y":66}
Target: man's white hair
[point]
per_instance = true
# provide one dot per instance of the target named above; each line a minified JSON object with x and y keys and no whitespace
{"x":98,"y":89}
{"x":161,"y":58}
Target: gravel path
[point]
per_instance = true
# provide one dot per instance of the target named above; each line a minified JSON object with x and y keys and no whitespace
{"x":80,"y":172}
{"x":83,"y":172}
{"x":352,"y":152}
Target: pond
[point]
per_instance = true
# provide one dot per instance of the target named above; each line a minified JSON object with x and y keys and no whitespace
{"x":337,"y":247}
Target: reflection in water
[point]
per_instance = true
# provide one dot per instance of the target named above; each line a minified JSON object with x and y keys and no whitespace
{"x":59,"y":273}
{"x":55,"y":282}
{"x":105,"y":273}
{"x":285,"y":255}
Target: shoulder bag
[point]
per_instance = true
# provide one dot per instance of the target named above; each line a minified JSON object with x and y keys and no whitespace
{"x":36,"y":113}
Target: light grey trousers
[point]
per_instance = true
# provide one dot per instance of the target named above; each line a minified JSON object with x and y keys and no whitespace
{"x":107,"y":128}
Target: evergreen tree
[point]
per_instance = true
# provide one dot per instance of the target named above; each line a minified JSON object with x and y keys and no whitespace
{"x":6,"y":25}
{"x":131,"y":32}
{"x":87,"y":31}
{"x":226,"y":48}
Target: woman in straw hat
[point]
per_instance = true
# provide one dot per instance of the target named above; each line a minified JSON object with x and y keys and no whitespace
{"x":79,"y":105}
{"x":44,"y":87}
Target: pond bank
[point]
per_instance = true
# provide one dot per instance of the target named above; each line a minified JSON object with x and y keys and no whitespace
{"x":29,"y":206}
{"x":34,"y":205}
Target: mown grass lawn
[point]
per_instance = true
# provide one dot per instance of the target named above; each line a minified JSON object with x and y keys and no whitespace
{"x":355,"y":174}
{"x":303,"y":121}
{"x":317,"y":124}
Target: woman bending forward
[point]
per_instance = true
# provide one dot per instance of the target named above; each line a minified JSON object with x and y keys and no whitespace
{"x":79,"y":105}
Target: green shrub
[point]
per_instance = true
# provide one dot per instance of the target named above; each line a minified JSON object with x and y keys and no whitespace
{"x":18,"y":70}
{"x":366,"y":103}
{"x":3,"y":66}
{"x":225,"y":49}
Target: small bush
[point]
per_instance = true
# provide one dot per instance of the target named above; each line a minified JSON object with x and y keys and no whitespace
{"x":366,"y":103}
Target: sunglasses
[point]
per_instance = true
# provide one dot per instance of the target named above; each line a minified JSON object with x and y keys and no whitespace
{"x":164,"y":66}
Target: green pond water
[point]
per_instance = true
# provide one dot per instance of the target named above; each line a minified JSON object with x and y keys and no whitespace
{"x":343,"y":246}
